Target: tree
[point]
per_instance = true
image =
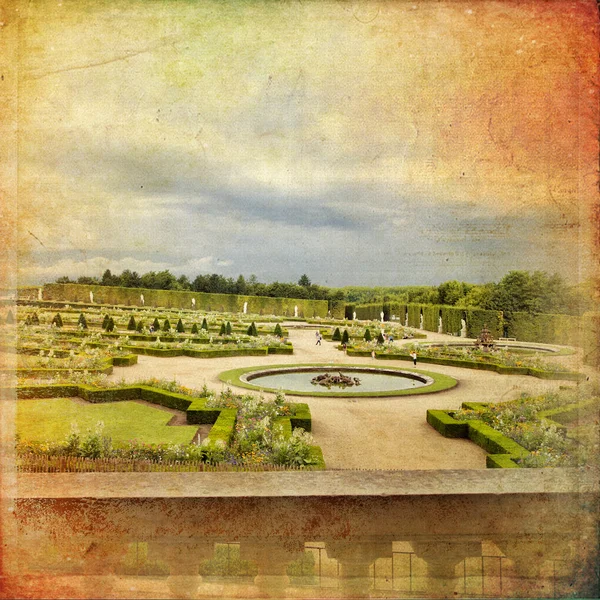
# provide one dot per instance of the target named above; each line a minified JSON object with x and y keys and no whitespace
{"x":105,"y":322}
{"x":195,"y":328}
{"x":345,"y":337}
{"x":108,"y":279}
{"x":131,"y":325}
{"x":228,"y":328}
{"x":367,"y":335}
{"x":140,"y":326}
{"x":111,"y":325}
{"x":304,"y":281}
{"x":63,"y":279}
{"x":337,"y":336}
{"x":82,"y":322}
{"x":223,"y":329}
{"x":180,"y":328}
{"x":278,"y":331}
{"x":167,"y":325}
{"x":155,"y":324}
{"x":35,"y":319}
{"x":240,"y":286}
{"x":380,"y":339}
{"x":450,"y":292}
{"x":204,"y":324}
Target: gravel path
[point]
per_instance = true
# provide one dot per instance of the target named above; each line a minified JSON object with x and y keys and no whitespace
{"x":370,"y":433}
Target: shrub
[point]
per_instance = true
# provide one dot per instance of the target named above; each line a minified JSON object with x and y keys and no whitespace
{"x":35,"y":319}
{"x":345,"y":337}
{"x":380,"y":339}
{"x":367,"y":335}
{"x":105,"y":322}
{"x":204,"y":324}
{"x":131,"y":325}
{"x":167,"y":325}
{"x":278,"y":331}
{"x":228,"y":328}
{"x":111,"y":325}
{"x":56,"y":321}
{"x":82,"y":322}
{"x":194,"y":328}
{"x":180,"y":328}
{"x":252,"y":330}
{"x":223,"y":329}
{"x":140,"y":326}
{"x":155,"y":324}
{"x":337,"y":336}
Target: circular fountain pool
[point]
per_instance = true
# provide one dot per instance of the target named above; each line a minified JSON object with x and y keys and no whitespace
{"x":337,"y":380}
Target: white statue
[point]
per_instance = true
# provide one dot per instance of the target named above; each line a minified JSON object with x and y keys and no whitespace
{"x":381,"y":315}
{"x":142,"y":299}
{"x":421,"y":321}
{"x":193,"y":302}
{"x":91,"y":297}
{"x":440,"y":326}
{"x":245,"y":307}
{"x":406,"y":319}
{"x":295,"y":311}
{"x":463,"y":328}
{"x":354,"y":316}
{"x":40,"y":294}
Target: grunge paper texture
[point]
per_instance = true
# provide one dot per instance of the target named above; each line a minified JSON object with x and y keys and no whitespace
{"x":364,"y":142}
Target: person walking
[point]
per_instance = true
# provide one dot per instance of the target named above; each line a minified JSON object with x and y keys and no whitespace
{"x":318,"y":338}
{"x":413,"y":355}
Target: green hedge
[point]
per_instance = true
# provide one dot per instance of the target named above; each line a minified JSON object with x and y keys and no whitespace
{"x":493,"y":441}
{"x":223,"y":428}
{"x":500,"y":461}
{"x":316,"y":456}
{"x":198,"y":414}
{"x":448,"y":426}
{"x":301,"y":417}
{"x":546,"y":328}
{"x":570,"y":412}
{"x":472,"y":364}
{"x":502,"y":450}
{"x":115,"y":296}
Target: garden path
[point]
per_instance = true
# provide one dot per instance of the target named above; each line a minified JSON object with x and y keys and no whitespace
{"x":367,"y":433}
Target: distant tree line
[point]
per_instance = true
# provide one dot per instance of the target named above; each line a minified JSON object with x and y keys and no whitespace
{"x":518,"y":291}
{"x":214,"y":284}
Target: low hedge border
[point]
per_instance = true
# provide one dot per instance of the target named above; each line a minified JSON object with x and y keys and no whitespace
{"x":570,"y":412}
{"x":502,"y":450}
{"x":222,"y":419}
{"x":470,"y":364}
{"x":126,"y":360}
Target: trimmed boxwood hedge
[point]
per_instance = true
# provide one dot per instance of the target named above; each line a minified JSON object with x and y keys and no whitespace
{"x":449,"y":427}
{"x":502,"y":449}
{"x":473,"y":364}
{"x":301,"y":417}
{"x":115,"y":296}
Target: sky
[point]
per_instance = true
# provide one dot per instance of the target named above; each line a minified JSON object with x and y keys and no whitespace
{"x":359,"y":142}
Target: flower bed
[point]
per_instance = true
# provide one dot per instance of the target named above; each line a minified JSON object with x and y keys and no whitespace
{"x":527,"y":432}
{"x":246,"y":430}
{"x":502,"y":362}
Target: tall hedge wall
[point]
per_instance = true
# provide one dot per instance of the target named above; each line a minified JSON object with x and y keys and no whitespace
{"x":550,"y":329}
{"x":73,"y":292}
{"x":566,"y":330}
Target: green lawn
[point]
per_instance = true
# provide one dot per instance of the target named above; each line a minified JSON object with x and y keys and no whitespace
{"x":50,"y":419}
